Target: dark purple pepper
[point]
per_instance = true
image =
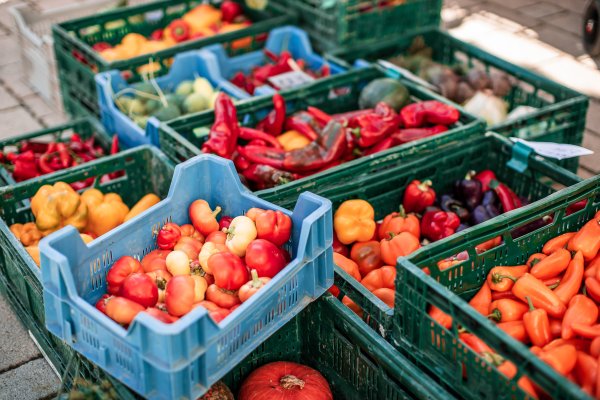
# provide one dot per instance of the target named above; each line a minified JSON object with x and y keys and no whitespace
{"x":490,"y":197}
{"x":532,"y":226}
{"x":469,"y":190}
{"x":483,"y":213}
{"x":462,"y":227}
{"x":448,"y":203}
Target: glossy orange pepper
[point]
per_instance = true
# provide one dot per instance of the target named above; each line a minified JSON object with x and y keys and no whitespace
{"x":488,"y":244}
{"x":582,"y":310}
{"x":592,"y":288}
{"x":445,"y":264}
{"x":586,"y":331}
{"x":440,"y":317}
{"x":537,"y":325}
{"x":571,"y":282}
{"x":383,"y":277}
{"x":534,"y":259}
{"x":595,"y":265}
{"x":501,"y":279}
{"x":561,"y":358}
{"x":203,"y":217}
{"x":555,"y":327}
{"x":352,"y":305}
{"x":507,"y":310}
{"x":386,"y":295}
{"x":354,"y":221}
{"x":367,"y":255}
{"x":552,"y":265}
{"x":586,"y":369}
{"x":516,"y":329}
{"x":398,"y":246}
{"x":503,"y":295}
{"x":558,"y":242}
{"x":591,"y":272}
{"x":476,"y":344}
{"x":595,"y":347}
{"x":580,"y":344}
{"x":482,"y":300}
{"x":397,"y":222}
{"x":587,"y":240}
{"x":347,"y":265}
{"x":510,"y":370}
{"x":541,"y":296}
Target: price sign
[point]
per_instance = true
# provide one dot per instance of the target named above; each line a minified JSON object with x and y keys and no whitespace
{"x":290,"y":79}
{"x":558,"y":151}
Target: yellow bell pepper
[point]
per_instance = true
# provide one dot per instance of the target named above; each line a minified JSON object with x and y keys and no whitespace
{"x":57,"y":206}
{"x":292,"y":140}
{"x":105,"y":211}
{"x":354,"y":221}
{"x":201,"y":19}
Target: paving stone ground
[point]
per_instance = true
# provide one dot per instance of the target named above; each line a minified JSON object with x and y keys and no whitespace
{"x":554,"y":49}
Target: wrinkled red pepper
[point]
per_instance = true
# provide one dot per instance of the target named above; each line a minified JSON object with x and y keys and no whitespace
{"x":43,"y":164}
{"x":321,"y":116}
{"x":375,"y":126}
{"x":63,"y":153}
{"x":254,"y":135}
{"x":240,"y":161}
{"x":265,"y":176}
{"x":36,"y":147}
{"x":508,"y":199}
{"x":345,"y":118}
{"x":436,"y":225}
{"x":273,"y":122}
{"x":485,"y":177}
{"x":223,"y":136}
{"x":418,"y":196}
{"x":385,"y":144}
{"x":410,"y":134}
{"x":303,"y":123}
{"x":329,"y":147}
{"x":433,"y":112}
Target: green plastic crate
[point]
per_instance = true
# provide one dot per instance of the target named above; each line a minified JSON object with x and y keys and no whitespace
{"x":77,"y":62}
{"x":428,"y":344}
{"x":357,"y":364}
{"x":335,"y":23}
{"x":85,"y":127}
{"x":384,"y":190}
{"x":562,"y":111}
{"x":336,"y":94}
{"x":67,"y":363}
{"x":146,"y":170}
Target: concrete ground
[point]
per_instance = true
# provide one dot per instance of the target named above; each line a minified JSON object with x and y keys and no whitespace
{"x":541,"y":35}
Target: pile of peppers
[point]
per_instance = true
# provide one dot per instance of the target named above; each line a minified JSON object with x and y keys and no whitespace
{"x":284,"y":148}
{"x":279,"y":64}
{"x":550,"y":303}
{"x":367,"y":250}
{"x":36,"y":158}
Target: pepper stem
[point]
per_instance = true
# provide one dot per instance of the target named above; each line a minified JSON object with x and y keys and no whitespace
{"x":256,"y":283}
{"x":531,"y":307}
{"x":554,"y":285}
{"x":291,"y":382}
{"x":425,"y":185}
{"x":496,"y":315}
{"x":216,"y":211}
{"x":402,"y":211}
{"x":497,"y":278}
{"x":470,"y":175}
{"x":494,"y":183}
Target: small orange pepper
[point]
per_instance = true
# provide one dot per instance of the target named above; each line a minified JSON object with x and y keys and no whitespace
{"x":592,"y":288}
{"x":552,"y":265}
{"x":581,"y":310}
{"x":595,"y":347}
{"x":571,"y":282}
{"x":587,"y":240}
{"x":516,"y":329}
{"x":383,"y":277}
{"x":482,"y":300}
{"x":367,"y":255}
{"x":510,"y":370}
{"x":559,"y":242}
{"x":398,"y":222}
{"x":561,"y":358}
{"x":501,"y":279}
{"x":440,"y":317}
{"x":537,"y":325}
{"x":507,"y":310}
{"x":398,"y":246}
{"x":586,"y":369}
{"x":541,"y":296}
{"x":534,"y":259}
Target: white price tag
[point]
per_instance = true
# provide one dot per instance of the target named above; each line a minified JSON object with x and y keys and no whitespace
{"x":555,"y":150}
{"x":290,"y":79}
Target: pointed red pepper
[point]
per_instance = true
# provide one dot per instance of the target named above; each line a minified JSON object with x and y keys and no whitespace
{"x":223,"y":136}
{"x":273,"y":122}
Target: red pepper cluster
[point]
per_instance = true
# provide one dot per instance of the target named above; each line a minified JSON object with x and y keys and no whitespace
{"x":35,"y":158}
{"x":333,"y":138}
{"x":280,"y":64}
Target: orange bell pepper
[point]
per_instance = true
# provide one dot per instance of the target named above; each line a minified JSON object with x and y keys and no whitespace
{"x":537,"y":325}
{"x":367,"y":255}
{"x":347,"y":265}
{"x":561,"y":358}
{"x":587,"y":240}
{"x":501,"y":279}
{"x":534,"y":259}
{"x":398,"y":222}
{"x":398,"y":246}
{"x":482,"y":300}
{"x":516,"y":329}
{"x":386,"y":295}
{"x":582,"y":310}
{"x":541,"y":296}
{"x":507,"y":310}
{"x":383,"y":277}
{"x":571,"y":282}
{"x":552,"y":265}
{"x":354,"y":221}
{"x":352,"y":305}
{"x":559,"y":242}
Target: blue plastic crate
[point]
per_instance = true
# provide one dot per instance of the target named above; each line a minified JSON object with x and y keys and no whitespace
{"x":183,"y":359}
{"x":186,"y":66}
{"x":222,"y":67}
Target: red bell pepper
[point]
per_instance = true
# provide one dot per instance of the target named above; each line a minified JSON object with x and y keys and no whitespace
{"x":437,"y":225}
{"x":418,"y":196}
{"x":274,"y":226}
{"x":168,"y":236}
{"x":375,"y":126}
{"x":230,"y":10}
{"x":179,"y":29}
{"x":25,"y":166}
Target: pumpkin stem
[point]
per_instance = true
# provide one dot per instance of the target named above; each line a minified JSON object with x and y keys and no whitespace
{"x":290,"y":382}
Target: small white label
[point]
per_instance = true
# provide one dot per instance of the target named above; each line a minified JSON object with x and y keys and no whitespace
{"x":558,"y":151}
{"x":290,"y":79}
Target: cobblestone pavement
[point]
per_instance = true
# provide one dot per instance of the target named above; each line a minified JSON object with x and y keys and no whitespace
{"x":553,"y":26}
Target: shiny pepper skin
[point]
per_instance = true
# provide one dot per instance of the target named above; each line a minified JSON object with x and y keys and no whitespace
{"x":437,"y":225}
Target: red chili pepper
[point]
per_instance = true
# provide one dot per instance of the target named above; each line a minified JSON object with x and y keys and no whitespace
{"x":65,"y":156}
{"x":437,"y":225}
{"x":180,"y":30}
{"x":418,"y":196}
{"x":329,"y":147}
{"x":273,"y":122}
{"x":506,"y":196}
{"x":223,"y":136}
{"x":303,"y":123}
{"x":485,"y":177}
{"x":255,"y":134}
{"x":408,"y":135}
{"x":376,"y":126}
{"x":321,"y":116}
{"x":114,"y":146}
